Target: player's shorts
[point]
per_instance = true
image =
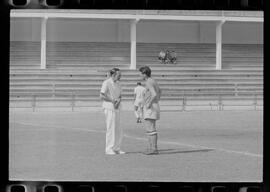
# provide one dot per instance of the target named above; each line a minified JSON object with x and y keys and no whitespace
{"x":138,"y":103}
{"x":153,"y":112}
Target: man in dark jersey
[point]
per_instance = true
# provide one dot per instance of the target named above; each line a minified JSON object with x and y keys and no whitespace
{"x":151,"y":108}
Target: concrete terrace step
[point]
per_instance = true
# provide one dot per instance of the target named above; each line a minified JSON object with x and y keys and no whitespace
{"x":204,"y":59}
{"x":179,"y":60}
{"x":67,"y":67}
{"x":201,"y":52}
{"x":133,"y":81}
{"x":88,"y":53}
{"x":130,"y":92}
{"x":140,"y":53}
{"x":243,"y":67}
{"x":184,"y":56}
{"x":127,"y":72}
{"x":140,"y":59}
{"x":122,"y":66}
{"x":55,"y":43}
{"x":89,"y":64}
{"x":125,"y":87}
{"x":155,"y":71}
{"x":129,"y":83}
{"x":157,"y":65}
{"x":242,"y":63}
{"x":24,"y":61}
{"x":77,"y":65}
{"x":75,"y":45}
{"x":159,"y":77}
{"x":84,"y":59}
{"x":169,"y":76}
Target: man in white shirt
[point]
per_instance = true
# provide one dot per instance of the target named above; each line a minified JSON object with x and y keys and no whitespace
{"x":139,"y":92}
{"x":111,"y":95}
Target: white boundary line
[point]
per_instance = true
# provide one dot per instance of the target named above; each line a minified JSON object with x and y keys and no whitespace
{"x":140,"y":138}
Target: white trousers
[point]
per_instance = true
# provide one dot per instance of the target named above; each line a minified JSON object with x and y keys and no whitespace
{"x":139,"y":112}
{"x":114,"y":133}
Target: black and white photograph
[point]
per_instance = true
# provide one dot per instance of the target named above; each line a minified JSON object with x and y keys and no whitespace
{"x":136,"y":95}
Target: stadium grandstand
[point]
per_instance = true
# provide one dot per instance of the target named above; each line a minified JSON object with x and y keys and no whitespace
{"x":207,"y":57}
{"x":59,"y":58}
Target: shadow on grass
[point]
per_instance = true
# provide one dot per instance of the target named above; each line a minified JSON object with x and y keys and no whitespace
{"x":173,"y":151}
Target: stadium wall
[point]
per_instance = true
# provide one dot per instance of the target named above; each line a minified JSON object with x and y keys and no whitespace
{"x":83,"y":30}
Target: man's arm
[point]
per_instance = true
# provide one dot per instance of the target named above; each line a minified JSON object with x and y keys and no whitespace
{"x":118,"y":100}
{"x":117,"y":103}
{"x":159,"y":96}
{"x":104,"y":97}
{"x":134,"y":94}
{"x":151,"y":88}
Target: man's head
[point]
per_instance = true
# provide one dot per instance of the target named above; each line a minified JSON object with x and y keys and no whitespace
{"x":145,"y":72}
{"x":115,"y":74}
{"x":139,"y":83}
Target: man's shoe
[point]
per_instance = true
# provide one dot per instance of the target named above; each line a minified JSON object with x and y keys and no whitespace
{"x":111,"y":153}
{"x":120,"y":152}
{"x":151,"y":152}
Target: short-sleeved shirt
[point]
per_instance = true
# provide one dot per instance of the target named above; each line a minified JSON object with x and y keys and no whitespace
{"x":111,"y":89}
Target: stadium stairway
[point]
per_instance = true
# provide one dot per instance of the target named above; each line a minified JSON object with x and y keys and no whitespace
{"x":76,"y":70}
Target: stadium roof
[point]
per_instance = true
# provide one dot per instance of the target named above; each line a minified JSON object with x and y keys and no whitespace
{"x":184,"y":15}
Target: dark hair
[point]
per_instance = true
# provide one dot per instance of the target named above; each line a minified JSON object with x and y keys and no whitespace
{"x":113,"y":71}
{"x":145,"y":70}
{"x":139,"y":83}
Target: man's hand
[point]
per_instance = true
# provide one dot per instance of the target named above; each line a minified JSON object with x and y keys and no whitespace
{"x":148,"y":105}
{"x":116,"y":103}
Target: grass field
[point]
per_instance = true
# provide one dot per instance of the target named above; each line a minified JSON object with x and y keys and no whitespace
{"x":194,"y":146}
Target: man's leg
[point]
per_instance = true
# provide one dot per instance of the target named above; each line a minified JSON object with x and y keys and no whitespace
{"x":118,"y":132}
{"x":110,"y":131}
{"x":152,"y":136}
{"x":136,"y":113}
{"x":140,"y":110}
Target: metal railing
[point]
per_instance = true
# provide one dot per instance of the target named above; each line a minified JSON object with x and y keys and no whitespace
{"x":218,"y":96}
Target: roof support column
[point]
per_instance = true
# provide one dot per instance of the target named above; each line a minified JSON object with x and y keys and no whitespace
{"x":43,"y":43}
{"x":133,"y":42}
{"x":219,"y":45}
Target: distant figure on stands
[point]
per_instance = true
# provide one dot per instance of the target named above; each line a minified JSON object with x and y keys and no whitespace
{"x":172,"y":57}
{"x":162,"y":56}
{"x":167,"y":57}
{"x":139,"y":93}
